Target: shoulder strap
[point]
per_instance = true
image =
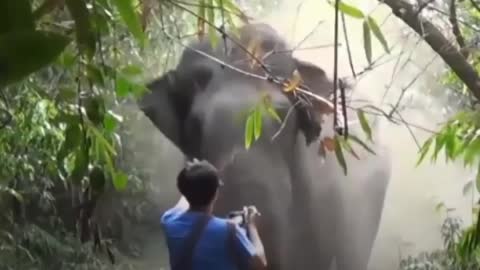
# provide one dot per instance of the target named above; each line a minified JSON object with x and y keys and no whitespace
{"x":231,"y":247}
{"x":184,"y":259}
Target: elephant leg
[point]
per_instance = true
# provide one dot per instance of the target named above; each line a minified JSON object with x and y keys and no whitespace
{"x":359,"y":225}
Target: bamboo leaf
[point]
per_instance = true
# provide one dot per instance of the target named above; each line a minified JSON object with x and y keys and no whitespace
{"x":131,"y":18}
{"x":120,"y":181}
{"x":212,"y":31}
{"x":424,"y":151}
{"x":348,"y":10}
{"x":361,"y":143}
{"x":22,"y":53}
{"x":257,"y":114}
{"x":378,"y":33}
{"x":83,"y":26}
{"x":339,"y":154}
{"x":477,"y":179}
{"x":364,"y":124}
{"x":249,"y":131}
{"x":367,"y":42}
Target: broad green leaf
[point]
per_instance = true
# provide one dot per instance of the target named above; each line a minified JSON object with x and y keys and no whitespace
{"x":424,"y":150}
{"x":16,"y":15}
{"x":131,"y":19}
{"x":378,"y":33}
{"x":110,"y":122}
{"x":104,"y":142}
{"x":120,"y":181}
{"x":339,"y":154}
{"x":348,"y":10}
{"x":123,"y":86}
{"x":472,"y":151}
{"x":257,"y":123}
{"x":360,"y":142}
{"x":83,"y":26}
{"x":249,"y":131}
{"x":367,"y":42}
{"x":439,"y":143}
{"x":22,"y":53}
{"x":364,"y":124}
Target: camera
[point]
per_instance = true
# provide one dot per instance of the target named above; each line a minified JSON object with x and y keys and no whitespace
{"x":238,"y":216}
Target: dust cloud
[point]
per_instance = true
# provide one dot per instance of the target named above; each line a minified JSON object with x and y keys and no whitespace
{"x":410,"y":221}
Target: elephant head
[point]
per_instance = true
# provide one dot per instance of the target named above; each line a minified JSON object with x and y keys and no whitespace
{"x":175,"y":100}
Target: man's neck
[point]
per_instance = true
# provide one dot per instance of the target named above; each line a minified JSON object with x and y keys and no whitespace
{"x":204,"y":209}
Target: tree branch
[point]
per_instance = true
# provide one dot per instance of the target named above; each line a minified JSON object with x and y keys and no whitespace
{"x":437,"y":41}
{"x":456,"y":29}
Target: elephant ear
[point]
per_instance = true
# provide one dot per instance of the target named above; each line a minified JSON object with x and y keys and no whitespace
{"x":315,"y":78}
{"x":169,"y":100}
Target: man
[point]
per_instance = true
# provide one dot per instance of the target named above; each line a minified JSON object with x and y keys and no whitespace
{"x":196,"y":239}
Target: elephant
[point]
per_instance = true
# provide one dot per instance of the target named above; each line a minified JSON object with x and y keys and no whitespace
{"x":312,"y":214}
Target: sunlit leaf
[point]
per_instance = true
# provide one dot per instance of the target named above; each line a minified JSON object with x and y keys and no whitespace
{"x":131,"y":70}
{"x":249,"y":131}
{"x":12,"y":192}
{"x":294,"y":82}
{"x":378,"y":33}
{"x":439,"y":143}
{"x":120,"y":181}
{"x":104,"y":142}
{"x":83,"y":26}
{"x":22,"y":53}
{"x":111,"y":121}
{"x":472,"y":151}
{"x":16,"y":15}
{"x":348,"y":9}
{"x":257,"y":123}
{"x":364,"y":124}
{"x":367,"y":42}
{"x":339,"y":154}
{"x":131,"y":19}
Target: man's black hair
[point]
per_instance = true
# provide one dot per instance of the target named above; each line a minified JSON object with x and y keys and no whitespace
{"x":198,"y":181}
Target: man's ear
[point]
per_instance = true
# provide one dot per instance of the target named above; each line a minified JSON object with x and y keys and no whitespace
{"x":169,"y":99}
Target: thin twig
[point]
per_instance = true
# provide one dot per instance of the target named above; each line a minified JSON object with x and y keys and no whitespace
{"x":284,"y":122}
{"x":308,"y":35}
{"x":349,"y":52}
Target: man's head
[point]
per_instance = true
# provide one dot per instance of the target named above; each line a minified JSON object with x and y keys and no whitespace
{"x":198,"y":182}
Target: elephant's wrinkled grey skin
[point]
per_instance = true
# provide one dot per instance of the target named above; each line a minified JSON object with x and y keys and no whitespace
{"x":200,"y":106}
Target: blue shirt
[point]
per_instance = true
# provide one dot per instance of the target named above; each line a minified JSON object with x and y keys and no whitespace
{"x":211,"y":252}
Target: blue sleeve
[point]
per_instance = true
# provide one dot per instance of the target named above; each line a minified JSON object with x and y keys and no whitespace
{"x":244,"y":245}
{"x":170,"y":213}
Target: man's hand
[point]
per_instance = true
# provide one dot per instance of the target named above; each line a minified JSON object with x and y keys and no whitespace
{"x":251,"y":214}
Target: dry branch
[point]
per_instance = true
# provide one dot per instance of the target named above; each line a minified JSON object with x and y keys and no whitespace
{"x":437,"y":41}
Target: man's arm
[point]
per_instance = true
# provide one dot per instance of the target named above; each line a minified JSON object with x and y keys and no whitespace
{"x":259,"y":261}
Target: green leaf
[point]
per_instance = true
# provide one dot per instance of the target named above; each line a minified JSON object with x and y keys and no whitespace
{"x":95,"y":75}
{"x":131,"y":19}
{"x":131,"y":70}
{"x":348,"y":10}
{"x":472,"y":151}
{"x":120,"y":181}
{"x":339,"y":154}
{"x":16,"y":15}
{"x":110,"y":122}
{"x":81,"y":165}
{"x":95,"y":108}
{"x":257,"y":123}
{"x":367,"y":42}
{"x":83,"y":26}
{"x":361,"y":143}
{"x":249,"y":131}
{"x":378,"y":33}
{"x":439,"y":143}
{"x":123,"y":86}
{"x":22,"y":53}
{"x":424,"y":150}
{"x":73,"y":138}
{"x":364,"y":124}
